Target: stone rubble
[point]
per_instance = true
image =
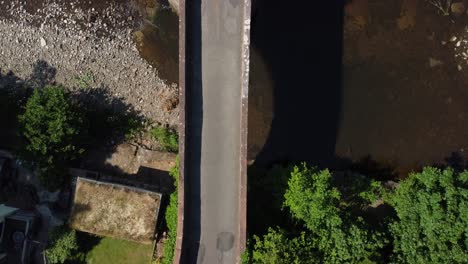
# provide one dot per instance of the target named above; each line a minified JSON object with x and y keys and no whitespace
{"x":77,"y":42}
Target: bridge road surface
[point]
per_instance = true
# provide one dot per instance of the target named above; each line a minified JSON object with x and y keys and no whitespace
{"x":216,"y":81}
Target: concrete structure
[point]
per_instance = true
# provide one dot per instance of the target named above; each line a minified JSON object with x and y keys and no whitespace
{"x":214,"y":59}
{"x":115,"y":210}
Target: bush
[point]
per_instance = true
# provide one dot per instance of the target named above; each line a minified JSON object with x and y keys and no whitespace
{"x":167,"y":137}
{"x":328,"y":227}
{"x":276,"y":248}
{"x":171,"y":219}
{"x":429,"y":223}
{"x":338,"y":235}
{"x":432,"y":217}
{"x":50,"y":126}
{"x":62,"y":245}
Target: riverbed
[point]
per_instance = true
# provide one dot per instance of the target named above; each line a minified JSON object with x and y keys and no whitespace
{"x":95,"y":45}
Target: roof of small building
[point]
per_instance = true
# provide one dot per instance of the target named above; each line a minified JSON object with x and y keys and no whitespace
{"x":115,"y":210}
{"x":6,"y":211}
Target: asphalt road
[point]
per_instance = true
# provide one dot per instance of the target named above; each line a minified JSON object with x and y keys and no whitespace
{"x":213,"y":131}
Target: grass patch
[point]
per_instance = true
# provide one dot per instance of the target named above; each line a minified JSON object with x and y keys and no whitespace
{"x":114,"y":251}
{"x":167,"y":137}
{"x":171,"y":219}
{"x":115,"y":211}
{"x":84,"y":81}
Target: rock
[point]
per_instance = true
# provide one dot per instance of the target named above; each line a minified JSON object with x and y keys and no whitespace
{"x":43,"y":42}
{"x":433,"y":62}
{"x":453,"y":39}
{"x":459,"y":67}
{"x":458,"y":44}
{"x":458,"y":8}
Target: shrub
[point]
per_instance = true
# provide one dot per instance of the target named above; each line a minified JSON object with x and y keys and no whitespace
{"x":84,"y":81}
{"x":62,"y":245}
{"x":432,"y":217}
{"x":167,"y":137}
{"x":337,"y":234}
{"x":276,"y":248}
{"x":171,"y":219}
{"x":50,"y":126}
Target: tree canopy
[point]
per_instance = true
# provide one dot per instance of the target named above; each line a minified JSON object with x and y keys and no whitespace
{"x":50,"y":127}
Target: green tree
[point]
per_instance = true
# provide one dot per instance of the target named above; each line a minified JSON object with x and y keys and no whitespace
{"x":50,"y":126}
{"x":328,"y":227}
{"x":338,"y":235}
{"x":171,"y":219}
{"x":62,"y":245}
{"x":432,"y":217}
{"x":277,"y":248}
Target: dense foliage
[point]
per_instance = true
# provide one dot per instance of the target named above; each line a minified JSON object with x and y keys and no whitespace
{"x":277,"y":248}
{"x":432,"y":217}
{"x":171,"y":219}
{"x":167,"y":137}
{"x":338,"y":235}
{"x":51,"y":127}
{"x":427,"y":223}
{"x":62,"y":245}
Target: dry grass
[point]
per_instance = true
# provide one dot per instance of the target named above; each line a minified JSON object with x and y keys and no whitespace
{"x":115,"y":211}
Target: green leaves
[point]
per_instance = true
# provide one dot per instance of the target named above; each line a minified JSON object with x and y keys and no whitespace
{"x":171,"y":218}
{"x":332,"y":234}
{"x":311,"y":198}
{"x":336,"y":233}
{"x":430,"y":224}
{"x":62,"y":245}
{"x":50,"y":127}
{"x":432,"y":211}
{"x":167,"y":137}
{"x":277,"y":248}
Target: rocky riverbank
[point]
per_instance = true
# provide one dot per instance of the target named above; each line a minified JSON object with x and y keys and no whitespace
{"x":84,"y":45}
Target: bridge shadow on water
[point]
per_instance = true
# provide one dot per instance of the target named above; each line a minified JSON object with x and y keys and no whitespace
{"x":301,"y":45}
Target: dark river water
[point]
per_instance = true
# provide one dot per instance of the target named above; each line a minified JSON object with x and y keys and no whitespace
{"x":377,"y":87}
{"x":157,"y":42}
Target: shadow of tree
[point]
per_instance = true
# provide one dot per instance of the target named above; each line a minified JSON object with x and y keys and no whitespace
{"x":13,"y":96}
{"x":43,"y":74}
{"x":108,"y":120}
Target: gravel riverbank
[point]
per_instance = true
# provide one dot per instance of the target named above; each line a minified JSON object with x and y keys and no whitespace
{"x":83,"y":45}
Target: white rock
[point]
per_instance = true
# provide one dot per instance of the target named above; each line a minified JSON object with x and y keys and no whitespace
{"x":43,"y":42}
{"x":458,"y":44}
{"x":433,"y":62}
{"x":452,"y":39}
{"x":459,"y":67}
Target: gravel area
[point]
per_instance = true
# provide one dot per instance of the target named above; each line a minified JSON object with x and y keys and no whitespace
{"x":83,"y":45}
